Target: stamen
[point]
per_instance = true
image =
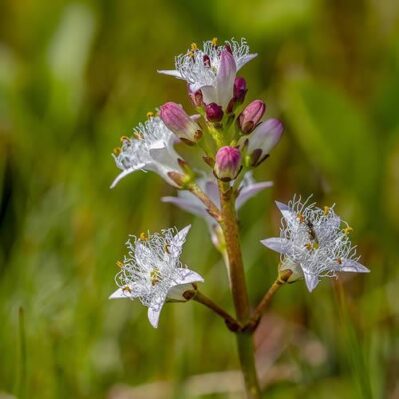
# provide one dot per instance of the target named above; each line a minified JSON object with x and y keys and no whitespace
{"x":155,"y":276}
{"x":138,"y":135}
{"x":166,"y":248}
{"x":119,"y":264}
{"x":300,"y":217}
{"x":150,"y":115}
{"x":347,"y":230}
{"x":117,"y":151}
{"x":326,"y":210}
{"x":194,"y":47}
{"x":143,"y":236}
{"x":124,"y":138}
{"x":311,"y":245}
{"x":214,"y":41}
{"x":127,"y":288}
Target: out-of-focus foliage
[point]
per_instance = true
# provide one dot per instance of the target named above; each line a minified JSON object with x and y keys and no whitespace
{"x":74,"y":77}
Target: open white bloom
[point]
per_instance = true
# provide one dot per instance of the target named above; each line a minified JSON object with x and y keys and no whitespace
{"x":153,"y":273}
{"x":212,"y":69}
{"x":208,"y":184}
{"x":314,"y":243}
{"x":150,"y":149}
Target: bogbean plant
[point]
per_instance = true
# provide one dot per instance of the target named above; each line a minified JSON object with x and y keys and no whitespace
{"x":232,"y":140}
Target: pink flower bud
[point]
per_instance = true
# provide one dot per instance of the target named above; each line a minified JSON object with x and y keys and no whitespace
{"x":214,"y":112}
{"x":262,"y":140}
{"x":225,"y":79}
{"x":227,"y":163}
{"x":250,"y":117}
{"x":180,"y":123}
{"x":240,"y":90}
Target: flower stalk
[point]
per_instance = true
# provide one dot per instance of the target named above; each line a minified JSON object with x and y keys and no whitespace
{"x":211,"y":208}
{"x":199,"y":297}
{"x":239,"y":289}
{"x":267,"y":298}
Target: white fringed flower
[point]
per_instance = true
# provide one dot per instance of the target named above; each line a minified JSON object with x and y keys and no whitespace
{"x":153,"y":273}
{"x":313,"y":244}
{"x":151,"y":149}
{"x":212,"y":69}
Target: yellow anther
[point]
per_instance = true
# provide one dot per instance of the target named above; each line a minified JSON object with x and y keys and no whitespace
{"x":300,"y":217}
{"x":214,"y":41}
{"x":166,"y":248}
{"x":311,"y":245}
{"x":190,"y":53}
{"x":339,"y":261}
{"x":143,"y":236}
{"x":117,"y":150}
{"x":326,"y":210}
{"x":127,"y":288}
{"x":119,"y":264}
{"x":138,"y":135}
{"x":347,"y":230}
{"x":194,"y":47}
{"x":155,"y":276}
{"x":124,"y":138}
{"x":150,"y":115}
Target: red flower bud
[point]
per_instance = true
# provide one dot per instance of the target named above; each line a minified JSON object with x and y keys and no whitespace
{"x":240,"y":90}
{"x":214,"y":112}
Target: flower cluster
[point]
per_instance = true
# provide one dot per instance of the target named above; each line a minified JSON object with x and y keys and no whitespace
{"x":232,"y":139}
{"x":217,"y":93}
{"x":153,"y":273}
{"x":314,"y":243}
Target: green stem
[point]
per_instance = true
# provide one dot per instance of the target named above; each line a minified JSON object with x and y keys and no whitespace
{"x":199,"y":297}
{"x":239,"y":289}
{"x":216,"y":134}
{"x":210,"y":206}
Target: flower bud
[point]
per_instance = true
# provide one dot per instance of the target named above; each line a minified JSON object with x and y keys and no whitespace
{"x":180,"y":123}
{"x":289,"y":270}
{"x":250,"y":117}
{"x":196,"y":97}
{"x":240,"y":90}
{"x":214,"y":112}
{"x":225,"y":79}
{"x":227,"y":163}
{"x":262,"y":140}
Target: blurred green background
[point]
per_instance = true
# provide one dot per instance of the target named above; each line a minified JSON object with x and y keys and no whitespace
{"x":74,"y":77}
